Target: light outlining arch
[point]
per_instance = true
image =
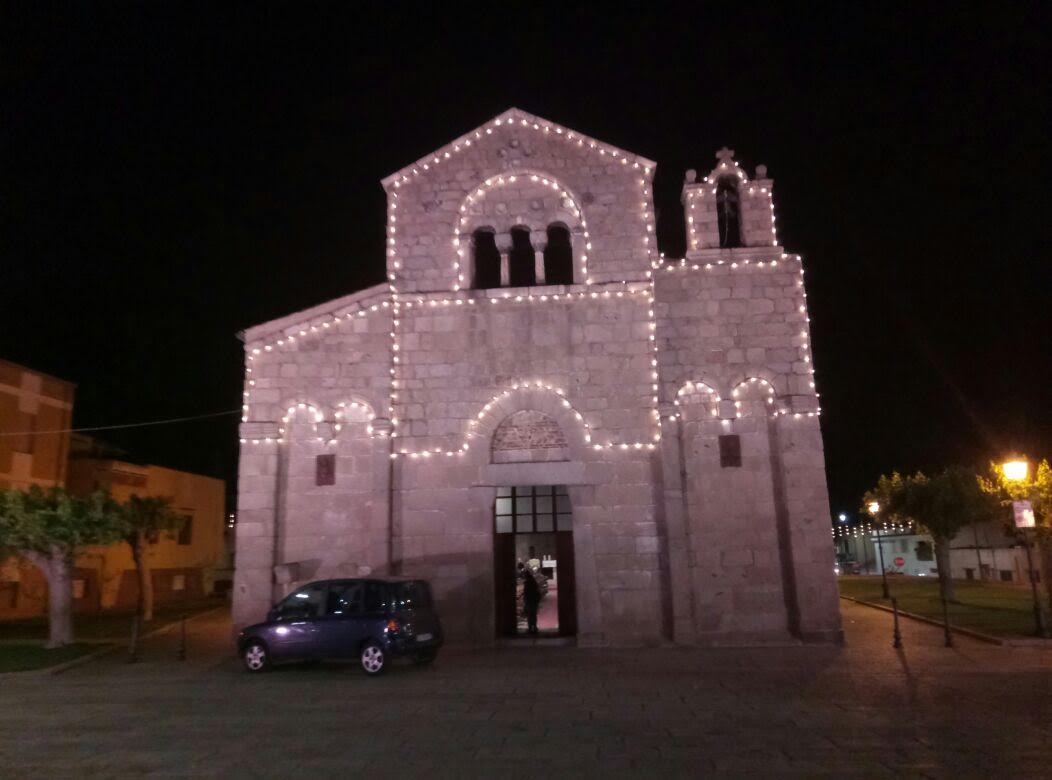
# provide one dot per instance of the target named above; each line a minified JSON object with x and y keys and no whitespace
{"x":692,"y":386}
{"x":343,"y":408}
{"x":501,"y":180}
{"x":531,"y":396}
{"x":295,"y":407}
{"x":550,"y":400}
{"x":770,"y":395}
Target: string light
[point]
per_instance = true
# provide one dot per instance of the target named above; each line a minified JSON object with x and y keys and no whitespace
{"x":396,"y":300}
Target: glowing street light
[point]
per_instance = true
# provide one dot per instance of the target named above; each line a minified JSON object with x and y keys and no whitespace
{"x":1015,"y":470}
{"x":873,"y":507}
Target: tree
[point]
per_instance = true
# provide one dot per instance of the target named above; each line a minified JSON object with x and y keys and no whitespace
{"x":942,"y":505}
{"x":48,"y":528}
{"x":143,"y":519}
{"x":1037,"y":489}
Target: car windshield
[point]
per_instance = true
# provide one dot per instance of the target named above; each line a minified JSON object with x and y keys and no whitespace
{"x":412,"y":595}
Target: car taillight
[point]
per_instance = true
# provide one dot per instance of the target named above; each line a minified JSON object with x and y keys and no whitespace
{"x":392,"y":626}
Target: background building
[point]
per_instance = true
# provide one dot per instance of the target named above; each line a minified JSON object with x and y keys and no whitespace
{"x":981,"y":551}
{"x":39,"y":409}
{"x":36,"y":412}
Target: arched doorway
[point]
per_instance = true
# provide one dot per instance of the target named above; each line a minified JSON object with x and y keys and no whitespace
{"x":533,"y":537}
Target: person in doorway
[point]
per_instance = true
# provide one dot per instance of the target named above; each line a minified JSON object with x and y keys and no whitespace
{"x":531,"y":597}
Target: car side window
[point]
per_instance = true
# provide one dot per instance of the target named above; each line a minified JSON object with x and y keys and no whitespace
{"x":306,"y":602}
{"x":375,"y":597}
{"x":345,"y":598}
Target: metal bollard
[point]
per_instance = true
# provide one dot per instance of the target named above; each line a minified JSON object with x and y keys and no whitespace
{"x":895,"y":610}
{"x":946,"y":622}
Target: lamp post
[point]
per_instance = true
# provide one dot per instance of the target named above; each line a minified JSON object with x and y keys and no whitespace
{"x":1017,"y":471}
{"x":874,"y":510}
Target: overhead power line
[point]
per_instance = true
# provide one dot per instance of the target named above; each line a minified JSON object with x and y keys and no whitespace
{"x":169,"y":421}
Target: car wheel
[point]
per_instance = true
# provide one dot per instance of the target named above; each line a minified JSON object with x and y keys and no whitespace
{"x":256,"y":657}
{"x":425,"y":657}
{"x":373,"y":658}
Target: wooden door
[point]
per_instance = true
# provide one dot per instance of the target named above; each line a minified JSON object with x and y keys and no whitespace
{"x":504,"y":584}
{"x":567,"y":586}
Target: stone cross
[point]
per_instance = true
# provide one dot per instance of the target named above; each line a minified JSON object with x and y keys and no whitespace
{"x":725,"y":155}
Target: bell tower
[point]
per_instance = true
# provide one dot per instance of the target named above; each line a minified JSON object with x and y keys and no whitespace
{"x":727,"y":210}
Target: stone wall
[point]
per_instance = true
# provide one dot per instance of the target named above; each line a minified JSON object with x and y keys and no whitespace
{"x":753,"y":540}
{"x":609,"y":186}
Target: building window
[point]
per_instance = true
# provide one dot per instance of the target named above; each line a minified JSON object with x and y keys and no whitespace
{"x":924,"y":551}
{"x":178,"y":582}
{"x":728,"y":211}
{"x":80,"y":589}
{"x":537,"y":509}
{"x":521,"y":260}
{"x":487,"y":259}
{"x":325,"y":469}
{"x":1006,"y":575}
{"x":558,"y":256}
{"x":969,"y":574}
{"x":186,"y":530}
{"x":730,"y":451}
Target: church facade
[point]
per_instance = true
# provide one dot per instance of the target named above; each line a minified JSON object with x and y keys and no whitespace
{"x":536,"y":383}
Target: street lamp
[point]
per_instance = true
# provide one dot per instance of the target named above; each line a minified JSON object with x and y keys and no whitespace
{"x":1016,"y":471}
{"x":874,"y":510}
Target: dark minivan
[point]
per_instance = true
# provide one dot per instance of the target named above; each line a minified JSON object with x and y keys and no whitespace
{"x":373,"y":620}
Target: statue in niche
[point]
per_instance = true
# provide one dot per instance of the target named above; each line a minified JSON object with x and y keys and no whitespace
{"x":728,"y":211}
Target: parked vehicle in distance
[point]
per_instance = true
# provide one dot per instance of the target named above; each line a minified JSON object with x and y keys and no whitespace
{"x":370,"y":619}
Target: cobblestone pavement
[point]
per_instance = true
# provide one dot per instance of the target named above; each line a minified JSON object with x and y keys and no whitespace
{"x":864,"y":709}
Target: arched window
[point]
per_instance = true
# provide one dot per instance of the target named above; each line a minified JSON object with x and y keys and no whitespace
{"x":558,"y":256}
{"x":487,"y":259}
{"x":521,"y":269}
{"x":728,"y":210}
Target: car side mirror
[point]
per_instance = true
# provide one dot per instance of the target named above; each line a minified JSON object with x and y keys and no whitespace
{"x":272,"y":614}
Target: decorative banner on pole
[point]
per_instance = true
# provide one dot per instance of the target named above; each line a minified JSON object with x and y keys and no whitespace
{"x":1024,"y":514}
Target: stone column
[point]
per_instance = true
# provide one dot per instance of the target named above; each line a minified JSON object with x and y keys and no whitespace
{"x":677,"y":529}
{"x":538,"y":262}
{"x":503,"y":241}
{"x":577,"y":241}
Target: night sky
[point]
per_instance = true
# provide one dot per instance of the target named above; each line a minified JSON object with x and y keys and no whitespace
{"x":174,"y":173}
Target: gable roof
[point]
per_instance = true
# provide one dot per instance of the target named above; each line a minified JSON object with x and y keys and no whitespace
{"x":524,"y":119}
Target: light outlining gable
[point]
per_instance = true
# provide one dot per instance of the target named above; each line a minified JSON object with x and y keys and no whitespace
{"x":523,"y":119}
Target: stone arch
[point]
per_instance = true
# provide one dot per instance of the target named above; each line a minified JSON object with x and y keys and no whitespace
{"x":475,"y":213}
{"x":301,"y":419}
{"x":558,"y":254}
{"x":350,"y":412}
{"x":535,"y":397}
{"x":698,"y":394}
{"x":755,"y":396}
{"x":528,"y":435}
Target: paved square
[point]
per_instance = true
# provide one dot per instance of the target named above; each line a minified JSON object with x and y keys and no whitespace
{"x":864,"y":710}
